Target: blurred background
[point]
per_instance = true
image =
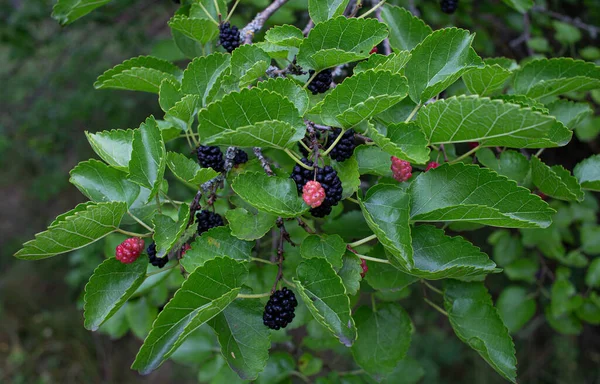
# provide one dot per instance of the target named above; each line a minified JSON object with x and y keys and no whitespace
{"x":48,"y":101}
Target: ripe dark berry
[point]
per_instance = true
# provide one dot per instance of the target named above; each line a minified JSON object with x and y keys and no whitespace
{"x":321,"y":82}
{"x":129,"y":250}
{"x":432,"y":165}
{"x":401,"y":170}
{"x":241,"y":157}
{"x":365,"y":268}
{"x":345,"y":147}
{"x":328,"y":179}
{"x":279,"y":311}
{"x":154,"y":260}
{"x":211,"y":157}
{"x":229,"y":37}
{"x":449,"y":6}
{"x":207,"y":220}
{"x":313,"y":194}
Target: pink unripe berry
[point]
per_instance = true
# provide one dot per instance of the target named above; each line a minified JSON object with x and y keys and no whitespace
{"x":432,"y":165}
{"x":401,"y":170}
{"x":313,"y":194}
{"x":129,"y":250}
{"x":186,"y":247}
{"x":473,"y":145}
{"x":365,"y":268}
{"x":374,"y":50}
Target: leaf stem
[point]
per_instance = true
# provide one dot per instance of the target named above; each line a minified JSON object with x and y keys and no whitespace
{"x":305,"y":146}
{"x":413,"y":113}
{"x":372,"y":9}
{"x":217,"y":7}
{"x":289,"y":283}
{"x":158,"y":203}
{"x":133,"y":234}
{"x":140,"y":222}
{"x":373,"y":304}
{"x":434,"y":289}
{"x":253,"y":296}
{"x":262,"y":261}
{"x":362,"y":241}
{"x":538,"y":153}
{"x":337,"y":140}
{"x":465,"y":155}
{"x":207,"y":13}
{"x":300,"y":163}
{"x":231,"y":11}
{"x":310,"y":79}
{"x":436,"y":307}
{"x":376,"y":260}
{"x":352,"y":200}
{"x":169,"y":200}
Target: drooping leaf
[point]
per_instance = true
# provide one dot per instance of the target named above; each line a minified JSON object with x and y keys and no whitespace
{"x":67,"y":11}
{"x":405,"y":141}
{"x":322,"y":291}
{"x":290,"y":89}
{"x":339,"y":41}
{"x":187,"y":170}
{"x":486,"y":81}
{"x":328,"y":247}
{"x":323,"y":10}
{"x":142,"y":73}
{"x":384,"y":338}
{"x":203,"y":75}
{"x":406,"y":30}
{"x":200,"y":30}
{"x":75,"y":230}
{"x":515,"y":307}
{"x":555,"y":181}
{"x":101,"y":183}
{"x":360,"y":97}
{"x":511,"y":164}
{"x":491,"y":123}
{"x":247,"y":225}
{"x":111,"y":285}
{"x":167,"y":231}
{"x":274,"y":195}
{"x":113,"y":146}
{"x":477,"y":323}
{"x":588,"y":173}
{"x":206,"y":292}
{"x":438,"y":61}
{"x":467,"y":193}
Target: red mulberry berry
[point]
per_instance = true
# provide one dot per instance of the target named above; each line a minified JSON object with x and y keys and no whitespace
{"x":432,"y":165}
{"x":374,"y":50}
{"x":129,"y":250}
{"x":401,"y":170}
{"x":186,"y":247}
{"x":365,"y":268}
{"x":473,"y":145}
{"x":313,"y":194}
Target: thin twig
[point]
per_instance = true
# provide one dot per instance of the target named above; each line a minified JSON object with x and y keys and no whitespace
{"x":263,"y":161}
{"x":376,"y":7}
{"x":591,"y":29}
{"x":279,"y":254}
{"x":262,"y":261}
{"x":305,"y":226}
{"x":436,"y":307}
{"x":259,"y":21}
{"x":308,"y":27}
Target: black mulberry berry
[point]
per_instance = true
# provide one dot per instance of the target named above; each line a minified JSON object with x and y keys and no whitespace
{"x":329,"y":180}
{"x":279,"y":311}
{"x":345,"y":147}
{"x":207,"y":220}
{"x":241,"y":157}
{"x":229,"y":37}
{"x":154,"y":260}
{"x":449,"y":6}
{"x":321,"y":82}
{"x":211,"y":157}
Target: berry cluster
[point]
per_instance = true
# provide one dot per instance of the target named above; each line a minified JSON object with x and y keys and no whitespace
{"x":449,"y":6}
{"x":345,"y":147}
{"x":229,"y":37}
{"x":154,"y":260}
{"x":328,"y":179}
{"x":241,"y":157}
{"x":211,"y":157}
{"x":432,"y":165}
{"x":313,"y":194}
{"x":207,"y":220}
{"x":401,"y":170}
{"x":321,"y":82}
{"x":129,"y":250}
{"x":279,"y":311}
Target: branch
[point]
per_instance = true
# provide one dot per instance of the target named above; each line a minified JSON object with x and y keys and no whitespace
{"x":263,"y":161}
{"x":591,"y":29}
{"x":259,"y":20}
{"x":387,"y":49}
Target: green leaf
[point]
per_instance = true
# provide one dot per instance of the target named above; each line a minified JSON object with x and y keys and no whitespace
{"x":515,"y":307}
{"x":477,"y":323}
{"x":359,"y":98}
{"x":182,"y":114}
{"x":248,"y":63}
{"x":569,"y":113}
{"x":275,"y":195}
{"x":564,"y":298}
{"x":387,"y":211}
{"x":587,"y":173}
{"x":406,"y":30}
{"x":590,"y":239}
{"x":252,"y":117}
{"x":244,"y":339}
{"x":460,"y":192}
{"x":486,"y":81}
{"x":169,"y":94}
{"x":511,"y":164}
{"x":200,"y":30}
{"x":140,"y":315}
{"x":328,"y":247}
{"x":278,"y":368}
{"x":289,"y":89}
{"x":167,"y":232}
{"x":206,"y":292}
{"x":387,"y":278}
{"x":373,"y":161}
{"x":349,"y":176}
{"x":214,"y":243}
{"x":325,"y":296}
{"x":438,"y":61}
{"x":567,"y":324}
{"x":187,"y":170}
{"x":523,"y":269}
{"x":285,"y":36}
{"x":491,"y":123}
{"x":520,"y":5}
{"x":204,"y":74}
{"x":555,"y":181}
{"x":142,"y":73}
{"x":384,"y":338}
{"x":557,"y":76}
{"x":403,"y":140}
{"x":350,"y":273}
{"x":523,"y":101}
{"x":67,"y":11}
{"x":339,"y":41}
{"x":249,"y":226}
{"x":74,"y":231}
{"x":323,"y":10}
{"x":592,"y":276}
{"x":101,"y":183}
{"x":394,"y":63}
{"x":113,"y":146}
{"x":589,"y":312}
{"x":111,"y":285}
{"x":148,"y":158}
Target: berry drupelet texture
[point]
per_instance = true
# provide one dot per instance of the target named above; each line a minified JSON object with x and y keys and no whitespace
{"x":154,"y":260}
{"x":432,"y":165}
{"x":241,"y":157}
{"x":321,"y":82}
{"x":313,"y":194}
{"x":129,"y":250}
{"x":211,"y":157}
{"x":229,"y":37}
{"x":449,"y":6}
{"x":328,"y":179}
{"x":279,"y":311}
{"x":344,"y":149}
{"x":207,"y":220}
{"x":401,"y":170}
